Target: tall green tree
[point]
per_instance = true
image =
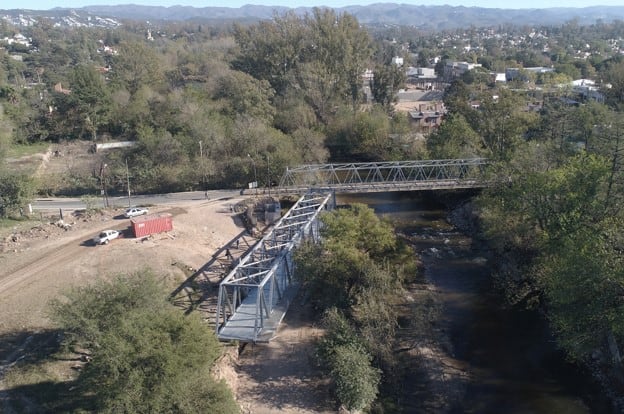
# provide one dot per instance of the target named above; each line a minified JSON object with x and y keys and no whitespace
{"x":6,"y":135}
{"x":321,"y":54}
{"x":455,"y":139}
{"x":87,"y":105}
{"x":246,"y":95}
{"x":386,"y":83}
{"x":136,"y":65}
{"x":503,"y":122}
{"x":583,"y":282}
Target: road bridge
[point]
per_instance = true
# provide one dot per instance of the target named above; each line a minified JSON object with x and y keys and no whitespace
{"x":369,"y":177}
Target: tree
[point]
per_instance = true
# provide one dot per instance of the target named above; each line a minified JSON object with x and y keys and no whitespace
{"x":6,"y":134}
{"x":16,"y":190}
{"x":311,"y":145}
{"x":612,"y":73}
{"x":146,"y":355}
{"x":546,"y":198}
{"x":321,"y":54}
{"x":363,"y":136}
{"x":88,"y":104}
{"x":457,"y":99}
{"x":342,"y":46}
{"x":355,"y":247}
{"x":455,"y":139}
{"x":503,"y":122}
{"x":387,"y":82}
{"x":583,"y":283}
{"x":247,"y":96}
{"x":136,"y":65}
{"x":271,"y":50}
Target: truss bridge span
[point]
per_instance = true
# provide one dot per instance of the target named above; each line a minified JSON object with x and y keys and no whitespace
{"x":386,"y":176}
{"x":254,"y":296}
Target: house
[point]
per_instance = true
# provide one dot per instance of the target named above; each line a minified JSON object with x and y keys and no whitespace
{"x":499,"y":77}
{"x":413,"y":73}
{"x":425,"y":109}
{"x":427,"y":116}
{"x":18,"y":38}
{"x":424,"y":78}
{"x":453,"y":70}
{"x":512,"y":74}
{"x":587,"y":89}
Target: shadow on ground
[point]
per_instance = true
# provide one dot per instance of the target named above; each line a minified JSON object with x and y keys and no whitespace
{"x":29,"y":386}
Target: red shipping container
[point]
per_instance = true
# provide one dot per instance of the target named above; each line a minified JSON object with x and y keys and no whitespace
{"x":152,"y":224}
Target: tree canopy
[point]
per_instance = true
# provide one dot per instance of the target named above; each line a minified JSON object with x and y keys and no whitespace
{"x":145,"y":355}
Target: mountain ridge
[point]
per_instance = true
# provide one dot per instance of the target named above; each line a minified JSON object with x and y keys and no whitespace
{"x":426,"y":17}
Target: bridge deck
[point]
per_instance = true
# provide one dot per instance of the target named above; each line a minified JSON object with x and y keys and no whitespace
{"x":241,"y":326}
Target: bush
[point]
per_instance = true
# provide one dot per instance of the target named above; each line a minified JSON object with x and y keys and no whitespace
{"x":356,"y":379}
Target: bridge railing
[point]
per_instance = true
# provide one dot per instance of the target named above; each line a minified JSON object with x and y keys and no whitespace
{"x":249,"y":294}
{"x":370,"y":176}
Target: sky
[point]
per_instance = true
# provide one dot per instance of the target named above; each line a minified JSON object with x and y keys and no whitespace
{"x":526,"y":4}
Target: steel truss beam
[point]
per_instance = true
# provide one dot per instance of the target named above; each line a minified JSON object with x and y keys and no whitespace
{"x":250,"y":293}
{"x":386,"y":176}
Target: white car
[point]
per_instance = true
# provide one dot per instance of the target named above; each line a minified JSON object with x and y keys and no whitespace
{"x":135,"y":211}
{"x":105,"y":236}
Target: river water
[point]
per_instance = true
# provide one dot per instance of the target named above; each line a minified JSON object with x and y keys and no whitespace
{"x":509,"y":358}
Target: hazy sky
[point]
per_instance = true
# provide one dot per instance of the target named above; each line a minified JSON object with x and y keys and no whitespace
{"x":527,"y":4}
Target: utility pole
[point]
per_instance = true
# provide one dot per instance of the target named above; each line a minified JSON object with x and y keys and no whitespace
{"x":269,"y":173}
{"x":103,"y":182}
{"x":255,"y":184}
{"x":128,"y":182}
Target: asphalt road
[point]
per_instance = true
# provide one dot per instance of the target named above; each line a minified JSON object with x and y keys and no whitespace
{"x":63,"y":203}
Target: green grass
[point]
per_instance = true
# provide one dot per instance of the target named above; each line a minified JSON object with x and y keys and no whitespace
{"x":11,"y":225}
{"x":20,"y":150}
{"x":11,"y":222}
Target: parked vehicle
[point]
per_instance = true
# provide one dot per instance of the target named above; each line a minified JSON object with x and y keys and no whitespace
{"x":135,"y":211}
{"x":106,"y":236}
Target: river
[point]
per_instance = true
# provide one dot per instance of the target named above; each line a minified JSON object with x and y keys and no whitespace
{"x":504,"y":359}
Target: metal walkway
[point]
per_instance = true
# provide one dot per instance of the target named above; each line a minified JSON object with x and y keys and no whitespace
{"x":254,"y":296}
{"x":369,"y":177}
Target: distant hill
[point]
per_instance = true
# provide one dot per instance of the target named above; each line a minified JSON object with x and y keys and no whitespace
{"x":424,"y":17}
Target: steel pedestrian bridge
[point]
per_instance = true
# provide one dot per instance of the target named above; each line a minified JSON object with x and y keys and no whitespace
{"x":255,"y":294}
